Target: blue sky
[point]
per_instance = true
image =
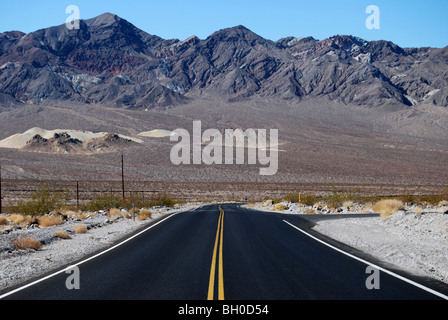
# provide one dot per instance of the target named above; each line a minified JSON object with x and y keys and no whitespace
{"x":411,"y":23}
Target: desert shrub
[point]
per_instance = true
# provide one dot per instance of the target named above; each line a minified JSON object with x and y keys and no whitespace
{"x":418,"y":210}
{"x":431,"y":199}
{"x":68,"y":212}
{"x":104,"y":201}
{"x":409,"y":198}
{"x":367,"y":207}
{"x":347,"y":204}
{"x":81,"y":216}
{"x":144,"y":214}
{"x":280,"y":207}
{"x":162,"y":200}
{"x":62,"y":234}
{"x":443,"y":203}
{"x":115,"y":212}
{"x":3,"y":221}
{"x":335,"y":199}
{"x":307,"y":199}
{"x":20,"y":219}
{"x":362,"y":198}
{"x":292,"y":197}
{"x":80,"y":228}
{"x":274,"y":200}
{"x":131,"y":211}
{"x":27,"y":243}
{"x":387,"y":207}
{"x":43,"y":201}
{"x":48,"y":221}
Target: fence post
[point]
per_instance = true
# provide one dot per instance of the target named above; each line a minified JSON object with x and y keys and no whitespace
{"x":122,"y":175}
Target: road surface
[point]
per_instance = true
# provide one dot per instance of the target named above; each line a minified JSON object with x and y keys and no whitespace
{"x":225,"y":252}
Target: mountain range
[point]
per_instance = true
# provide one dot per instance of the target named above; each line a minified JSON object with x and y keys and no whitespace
{"x":111,"y":62}
{"x":369,"y":115}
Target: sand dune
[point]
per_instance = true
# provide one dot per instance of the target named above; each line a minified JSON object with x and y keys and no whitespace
{"x":157,"y":133}
{"x":19,"y":140}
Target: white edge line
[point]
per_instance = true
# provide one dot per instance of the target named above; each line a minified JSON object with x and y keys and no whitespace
{"x":373,"y":265}
{"x":85,"y":260}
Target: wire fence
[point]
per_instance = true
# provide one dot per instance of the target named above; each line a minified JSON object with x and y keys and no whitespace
{"x":15,"y":191}
{"x":22,"y":186}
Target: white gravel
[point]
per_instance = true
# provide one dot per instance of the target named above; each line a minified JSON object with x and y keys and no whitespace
{"x":18,"y":266}
{"x":417,"y":243}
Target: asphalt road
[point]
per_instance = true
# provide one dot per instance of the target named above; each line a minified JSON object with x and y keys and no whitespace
{"x":224,"y":252}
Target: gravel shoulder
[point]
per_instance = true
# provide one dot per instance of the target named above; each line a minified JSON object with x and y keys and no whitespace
{"x":417,"y":243}
{"x":19,"y":266}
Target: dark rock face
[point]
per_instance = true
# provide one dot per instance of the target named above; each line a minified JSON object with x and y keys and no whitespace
{"x":63,"y":143}
{"x":111,"y":62}
{"x":59,"y":143}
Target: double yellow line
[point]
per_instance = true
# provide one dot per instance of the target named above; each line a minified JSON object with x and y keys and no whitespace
{"x":211,"y":284}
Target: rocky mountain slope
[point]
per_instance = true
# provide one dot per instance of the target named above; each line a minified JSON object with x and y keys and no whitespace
{"x":348,"y":111}
{"x":109,"y":61}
